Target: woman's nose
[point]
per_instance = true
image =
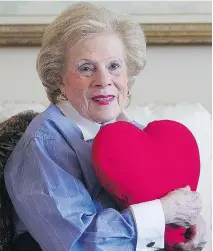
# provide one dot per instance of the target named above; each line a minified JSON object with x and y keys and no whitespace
{"x":102,"y":79}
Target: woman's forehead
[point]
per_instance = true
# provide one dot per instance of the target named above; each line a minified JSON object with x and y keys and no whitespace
{"x":98,"y":48}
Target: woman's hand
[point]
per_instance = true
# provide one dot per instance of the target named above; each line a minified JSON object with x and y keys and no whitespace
{"x":198,"y":237}
{"x":182,"y":207}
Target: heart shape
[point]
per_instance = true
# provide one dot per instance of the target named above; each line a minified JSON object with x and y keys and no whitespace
{"x":137,"y":165}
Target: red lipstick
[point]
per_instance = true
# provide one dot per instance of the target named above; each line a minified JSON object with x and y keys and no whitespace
{"x":103,"y":99}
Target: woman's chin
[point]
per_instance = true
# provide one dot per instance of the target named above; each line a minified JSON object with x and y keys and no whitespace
{"x":104,"y":114}
{"x":106,"y":117}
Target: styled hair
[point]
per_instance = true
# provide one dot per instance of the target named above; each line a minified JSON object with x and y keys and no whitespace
{"x":78,"y":22}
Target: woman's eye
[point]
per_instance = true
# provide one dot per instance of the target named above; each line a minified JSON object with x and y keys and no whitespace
{"x":86,"y":69}
{"x":114,"y":66}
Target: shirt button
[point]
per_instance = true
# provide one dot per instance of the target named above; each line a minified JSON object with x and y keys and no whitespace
{"x":151,"y":244}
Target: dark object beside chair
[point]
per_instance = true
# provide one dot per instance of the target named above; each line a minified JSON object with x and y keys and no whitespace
{"x":11,"y":131}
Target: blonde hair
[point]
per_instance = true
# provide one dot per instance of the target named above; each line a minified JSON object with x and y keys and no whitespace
{"x":81,"y":21}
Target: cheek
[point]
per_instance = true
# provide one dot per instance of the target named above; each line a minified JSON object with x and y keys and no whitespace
{"x":123,"y":90}
{"x":75,"y":86}
{"x":123,"y":81}
{"x":123,"y":85}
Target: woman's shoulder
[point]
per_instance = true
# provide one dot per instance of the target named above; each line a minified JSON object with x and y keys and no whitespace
{"x":49,"y":124}
{"x":47,"y":130}
{"x":43,"y":123}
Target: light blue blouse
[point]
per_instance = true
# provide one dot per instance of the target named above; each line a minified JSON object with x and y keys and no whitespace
{"x":58,"y":199}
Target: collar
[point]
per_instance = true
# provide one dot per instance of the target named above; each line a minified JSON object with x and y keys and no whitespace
{"x":88,"y":128}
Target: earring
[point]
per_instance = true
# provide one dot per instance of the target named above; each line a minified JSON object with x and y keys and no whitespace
{"x":62,"y":96}
{"x":129,"y":93}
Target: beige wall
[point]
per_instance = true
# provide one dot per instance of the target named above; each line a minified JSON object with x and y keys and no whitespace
{"x":176,"y":73}
{"x":173,"y":74}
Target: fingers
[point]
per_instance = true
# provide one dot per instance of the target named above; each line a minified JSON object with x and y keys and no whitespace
{"x":190,"y":245}
{"x":182,"y":206}
{"x":186,"y":189}
{"x":193,"y":243}
{"x":196,"y":198}
{"x":181,"y":190}
{"x":201,"y":224}
{"x":198,"y":237}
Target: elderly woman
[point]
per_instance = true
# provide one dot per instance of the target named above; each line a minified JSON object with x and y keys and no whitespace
{"x":87,"y":63}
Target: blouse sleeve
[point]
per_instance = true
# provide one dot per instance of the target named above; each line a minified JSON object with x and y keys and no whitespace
{"x":59,"y":213}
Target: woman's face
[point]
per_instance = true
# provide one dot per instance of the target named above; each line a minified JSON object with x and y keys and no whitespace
{"x":95,"y":82}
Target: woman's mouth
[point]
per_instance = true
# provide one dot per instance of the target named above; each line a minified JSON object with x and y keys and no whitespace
{"x":103,"y":99}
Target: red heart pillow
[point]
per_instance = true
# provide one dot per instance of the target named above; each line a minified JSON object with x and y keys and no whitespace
{"x":137,"y":165}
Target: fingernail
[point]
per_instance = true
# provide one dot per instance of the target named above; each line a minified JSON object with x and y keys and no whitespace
{"x":188,"y":188}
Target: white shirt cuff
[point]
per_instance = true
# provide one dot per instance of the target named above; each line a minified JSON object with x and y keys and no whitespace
{"x":150,"y":225}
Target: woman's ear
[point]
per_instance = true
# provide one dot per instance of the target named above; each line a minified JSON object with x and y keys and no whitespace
{"x":61,"y":87}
